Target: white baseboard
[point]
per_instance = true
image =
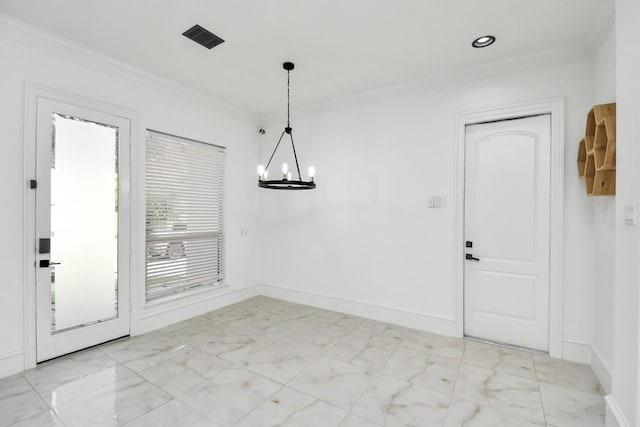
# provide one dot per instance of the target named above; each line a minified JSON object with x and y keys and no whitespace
{"x":601,"y":370}
{"x":11,"y":364}
{"x":614,"y":415}
{"x":434,"y":323}
{"x":575,"y":351}
{"x":164,"y":315}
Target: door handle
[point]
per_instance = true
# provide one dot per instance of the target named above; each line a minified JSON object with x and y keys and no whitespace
{"x":46,"y":263}
{"x":470,"y":257}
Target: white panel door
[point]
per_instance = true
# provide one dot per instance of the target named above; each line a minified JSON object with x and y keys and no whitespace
{"x":82,"y":228}
{"x":507,"y":202}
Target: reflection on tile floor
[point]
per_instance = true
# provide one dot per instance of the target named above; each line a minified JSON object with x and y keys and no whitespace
{"x":266,"y":362}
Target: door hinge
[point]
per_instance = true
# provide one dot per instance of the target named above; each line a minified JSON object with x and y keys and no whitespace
{"x":33,"y":184}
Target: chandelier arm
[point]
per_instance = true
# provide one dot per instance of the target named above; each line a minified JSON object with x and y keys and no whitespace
{"x":274,"y":151}
{"x":295,"y":156}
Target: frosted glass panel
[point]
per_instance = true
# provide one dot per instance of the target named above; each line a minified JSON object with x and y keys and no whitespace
{"x":84,"y":222}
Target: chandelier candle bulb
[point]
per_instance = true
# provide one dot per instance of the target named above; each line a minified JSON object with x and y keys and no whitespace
{"x":289,"y":176}
{"x":312,"y":173}
{"x":261,"y":171}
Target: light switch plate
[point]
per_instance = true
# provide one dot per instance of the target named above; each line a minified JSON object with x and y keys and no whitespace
{"x":630,"y":215}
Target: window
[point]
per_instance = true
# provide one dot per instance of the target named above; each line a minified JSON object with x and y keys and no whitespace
{"x":184,"y":228}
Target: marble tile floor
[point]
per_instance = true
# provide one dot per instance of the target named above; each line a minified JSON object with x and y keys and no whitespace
{"x":266,"y":362}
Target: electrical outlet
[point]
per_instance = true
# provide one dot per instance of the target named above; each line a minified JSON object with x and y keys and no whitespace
{"x":630,"y":215}
{"x":434,"y":201}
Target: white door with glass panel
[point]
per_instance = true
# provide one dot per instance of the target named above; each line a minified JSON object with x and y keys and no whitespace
{"x":82,"y":228}
{"x":507,"y":208}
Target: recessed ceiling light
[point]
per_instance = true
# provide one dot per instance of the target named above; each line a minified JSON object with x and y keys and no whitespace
{"x":483,"y":41}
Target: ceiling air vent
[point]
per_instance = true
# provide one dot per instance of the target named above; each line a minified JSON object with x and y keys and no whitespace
{"x":203,"y":36}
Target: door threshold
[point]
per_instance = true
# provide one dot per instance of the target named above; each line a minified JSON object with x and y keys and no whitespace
{"x":93,"y":347}
{"x":505,"y":345}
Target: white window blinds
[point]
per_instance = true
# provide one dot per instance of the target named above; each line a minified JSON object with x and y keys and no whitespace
{"x":185,"y":235}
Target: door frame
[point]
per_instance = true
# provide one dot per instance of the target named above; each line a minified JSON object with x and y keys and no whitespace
{"x":554,"y":107}
{"x":32,"y":93}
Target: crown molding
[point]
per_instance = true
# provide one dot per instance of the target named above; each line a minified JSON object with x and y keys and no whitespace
{"x":443,"y":79}
{"x":49,"y":44}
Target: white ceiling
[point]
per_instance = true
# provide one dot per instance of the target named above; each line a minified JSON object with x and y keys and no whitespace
{"x":340,"y":47}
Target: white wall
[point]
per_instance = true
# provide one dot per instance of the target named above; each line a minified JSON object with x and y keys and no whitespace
{"x":365,"y":235}
{"x":623,"y":404}
{"x":604,"y":85}
{"x":29,"y":57}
